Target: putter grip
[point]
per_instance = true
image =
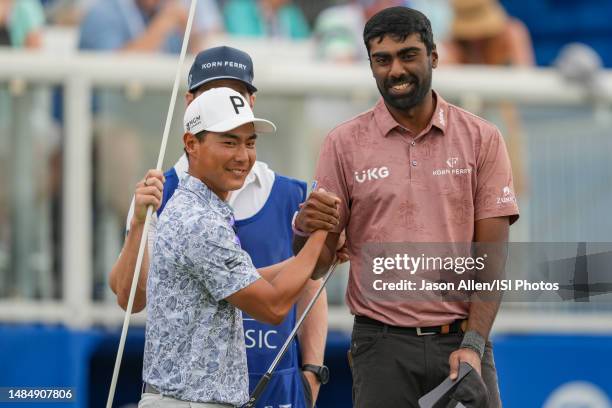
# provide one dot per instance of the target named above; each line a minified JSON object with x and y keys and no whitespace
{"x":259,"y":389}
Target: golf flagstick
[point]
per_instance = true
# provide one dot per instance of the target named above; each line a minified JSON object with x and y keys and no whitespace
{"x":263,"y":382}
{"x":143,"y":239}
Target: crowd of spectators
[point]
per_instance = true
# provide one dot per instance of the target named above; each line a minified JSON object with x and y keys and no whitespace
{"x":487,"y":35}
{"x":21,"y":22}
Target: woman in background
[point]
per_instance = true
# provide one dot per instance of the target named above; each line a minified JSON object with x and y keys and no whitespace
{"x":21,"y":23}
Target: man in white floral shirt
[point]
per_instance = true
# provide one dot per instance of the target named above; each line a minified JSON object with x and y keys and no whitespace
{"x":199,"y":276}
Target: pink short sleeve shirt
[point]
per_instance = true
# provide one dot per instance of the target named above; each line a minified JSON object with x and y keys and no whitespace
{"x":399,"y":187}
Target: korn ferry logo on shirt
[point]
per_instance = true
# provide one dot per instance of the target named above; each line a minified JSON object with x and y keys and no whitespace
{"x":375,"y":173}
{"x":453,"y":168}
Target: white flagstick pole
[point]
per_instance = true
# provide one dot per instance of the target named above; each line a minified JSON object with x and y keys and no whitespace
{"x":143,"y":240}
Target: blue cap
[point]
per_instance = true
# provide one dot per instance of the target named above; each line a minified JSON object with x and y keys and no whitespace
{"x":221,"y":63}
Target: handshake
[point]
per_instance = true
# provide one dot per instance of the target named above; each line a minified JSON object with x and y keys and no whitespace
{"x":321,"y":212}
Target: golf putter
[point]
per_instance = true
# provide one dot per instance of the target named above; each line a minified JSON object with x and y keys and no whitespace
{"x":431,"y":398}
{"x":263,"y":382}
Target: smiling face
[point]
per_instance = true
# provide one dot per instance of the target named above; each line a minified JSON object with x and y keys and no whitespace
{"x":402,"y":70}
{"x":222,"y":160}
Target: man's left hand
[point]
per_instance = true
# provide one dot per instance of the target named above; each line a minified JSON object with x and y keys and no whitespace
{"x":463,"y":354}
{"x":314,"y":383}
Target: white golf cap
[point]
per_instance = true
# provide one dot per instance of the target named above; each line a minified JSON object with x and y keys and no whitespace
{"x":221,"y":110}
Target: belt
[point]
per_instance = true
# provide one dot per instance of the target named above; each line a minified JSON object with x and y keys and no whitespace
{"x":458,"y":326}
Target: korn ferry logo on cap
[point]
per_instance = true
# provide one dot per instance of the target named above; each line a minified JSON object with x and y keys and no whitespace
{"x":221,"y":110}
{"x":221,"y":63}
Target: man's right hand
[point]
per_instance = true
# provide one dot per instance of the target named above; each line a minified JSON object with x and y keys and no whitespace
{"x":318,"y":212}
{"x":149,"y":191}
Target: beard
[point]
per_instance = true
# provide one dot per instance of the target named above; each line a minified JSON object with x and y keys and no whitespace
{"x":419,"y":91}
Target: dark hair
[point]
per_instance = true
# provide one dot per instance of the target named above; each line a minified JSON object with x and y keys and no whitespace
{"x":199,"y":136}
{"x":197,"y":90}
{"x":399,"y":23}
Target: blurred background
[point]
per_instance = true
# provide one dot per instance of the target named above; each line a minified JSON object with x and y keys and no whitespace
{"x":84,"y":92}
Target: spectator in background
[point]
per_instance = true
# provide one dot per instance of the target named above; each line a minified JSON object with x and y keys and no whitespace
{"x":146,"y":25}
{"x":440,"y":13}
{"x":265,"y":18}
{"x":66,"y":12}
{"x":21,"y":22}
{"x":339,"y":29}
{"x":482,"y":33}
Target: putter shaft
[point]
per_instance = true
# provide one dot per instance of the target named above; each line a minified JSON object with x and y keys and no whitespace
{"x":263,"y":382}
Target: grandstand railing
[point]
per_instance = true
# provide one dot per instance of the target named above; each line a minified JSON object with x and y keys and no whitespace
{"x":79,"y":75}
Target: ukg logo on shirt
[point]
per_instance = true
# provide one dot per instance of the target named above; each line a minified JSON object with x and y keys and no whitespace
{"x":375,"y":173}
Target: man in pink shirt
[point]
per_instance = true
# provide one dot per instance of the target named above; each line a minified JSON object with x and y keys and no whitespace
{"x":413,"y":169}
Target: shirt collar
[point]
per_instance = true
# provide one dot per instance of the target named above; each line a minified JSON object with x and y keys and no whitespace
{"x":201,"y":190}
{"x":181,"y":166}
{"x":386,"y":123}
{"x":440,"y":116}
{"x":254,"y":176}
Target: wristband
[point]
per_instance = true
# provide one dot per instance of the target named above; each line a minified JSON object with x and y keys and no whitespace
{"x":296,"y":231}
{"x":474,"y":341}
